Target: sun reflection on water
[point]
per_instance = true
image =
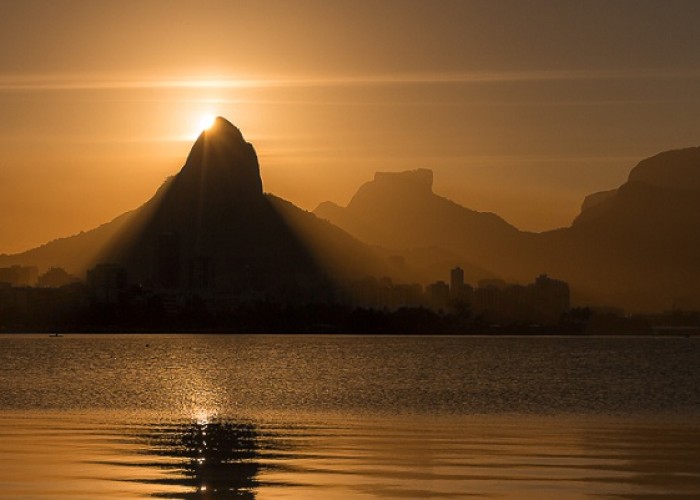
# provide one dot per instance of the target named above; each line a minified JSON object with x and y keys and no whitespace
{"x":202,"y":417}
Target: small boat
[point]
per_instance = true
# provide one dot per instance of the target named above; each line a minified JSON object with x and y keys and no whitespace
{"x":55,"y":335}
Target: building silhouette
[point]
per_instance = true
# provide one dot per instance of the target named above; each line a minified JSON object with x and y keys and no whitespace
{"x":456,"y":282}
{"x":106,"y":283}
{"x":19,"y":275}
{"x":551,"y":298}
{"x":56,"y":277}
{"x":438,"y":294}
{"x":168,"y":260}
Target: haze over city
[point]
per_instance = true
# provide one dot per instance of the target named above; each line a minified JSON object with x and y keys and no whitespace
{"x":519,"y":108}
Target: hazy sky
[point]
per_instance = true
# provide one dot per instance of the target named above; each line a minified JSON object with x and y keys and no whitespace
{"x":519,"y":107}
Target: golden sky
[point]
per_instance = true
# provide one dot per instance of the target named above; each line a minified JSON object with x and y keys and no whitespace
{"x":520,"y":108}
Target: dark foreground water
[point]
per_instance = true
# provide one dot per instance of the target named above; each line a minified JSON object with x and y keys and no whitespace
{"x":157,"y":416}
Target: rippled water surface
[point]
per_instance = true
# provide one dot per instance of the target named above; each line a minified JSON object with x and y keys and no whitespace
{"x":158,"y":416}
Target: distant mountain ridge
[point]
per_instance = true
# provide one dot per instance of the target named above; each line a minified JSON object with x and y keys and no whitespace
{"x":636,"y":246}
{"x":676,"y":169}
{"x":639,"y":245}
{"x":212,"y":226}
{"x":400,"y":210}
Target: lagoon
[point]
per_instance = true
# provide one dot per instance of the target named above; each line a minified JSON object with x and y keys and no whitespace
{"x":229,"y":416}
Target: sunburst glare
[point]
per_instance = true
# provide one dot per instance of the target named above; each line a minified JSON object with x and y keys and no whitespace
{"x":206,"y":121}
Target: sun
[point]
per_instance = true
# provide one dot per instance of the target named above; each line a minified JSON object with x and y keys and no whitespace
{"x":201,"y":123}
{"x":205,"y":121}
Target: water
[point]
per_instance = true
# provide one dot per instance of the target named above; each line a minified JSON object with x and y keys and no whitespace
{"x":158,"y":416}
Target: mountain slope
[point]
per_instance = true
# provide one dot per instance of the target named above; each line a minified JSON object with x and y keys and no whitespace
{"x":211,"y":225}
{"x":639,"y":244}
{"x":400,"y":210}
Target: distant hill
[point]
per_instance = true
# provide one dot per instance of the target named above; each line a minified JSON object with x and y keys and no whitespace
{"x":401,"y":211}
{"x":639,"y":245}
{"x":212,"y":226}
{"x":636,"y":247}
{"x":678,"y":169}
{"x":74,"y":253}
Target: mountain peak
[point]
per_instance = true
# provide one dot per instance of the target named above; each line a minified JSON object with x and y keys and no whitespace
{"x":420,"y":179}
{"x":221,"y":159}
{"x":676,"y":169}
{"x":221,"y":127}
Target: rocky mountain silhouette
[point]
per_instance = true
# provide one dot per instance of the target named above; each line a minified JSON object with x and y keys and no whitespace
{"x":399,"y":210}
{"x":638,"y":245}
{"x":212,"y":226}
{"x":635,"y":247}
